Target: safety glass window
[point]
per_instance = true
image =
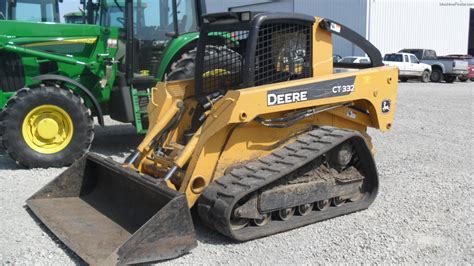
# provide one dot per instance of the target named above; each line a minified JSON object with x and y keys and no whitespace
{"x":28,"y":12}
{"x":186,"y":16}
{"x":3,"y":9}
{"x":34,"y":11}
{"x":393,"y":58}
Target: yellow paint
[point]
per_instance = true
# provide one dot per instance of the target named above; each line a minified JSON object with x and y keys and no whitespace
{"x":322,"y":51}
{"x":247,"y":142}
{"x":47,"y":129}
{"x":62,"y":42}
{"x":230,"y":135}
{"x":215,"y":72}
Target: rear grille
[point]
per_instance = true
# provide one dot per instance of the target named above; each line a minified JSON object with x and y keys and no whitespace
{"x":283,"y":53}
{"x":222,"y":65}
{"x":234,"y":56}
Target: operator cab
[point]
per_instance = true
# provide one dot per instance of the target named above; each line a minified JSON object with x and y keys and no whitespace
{"x":153,"y":23}
{"x":30,"y":10}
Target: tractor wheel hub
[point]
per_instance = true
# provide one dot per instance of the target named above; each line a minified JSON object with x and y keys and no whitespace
{"x":47,"y":128}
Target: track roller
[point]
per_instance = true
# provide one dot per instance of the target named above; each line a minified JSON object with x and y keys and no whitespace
{"x":264,"y":221}
{"x":285,"y":214}
{"x":337,"y":201}
{"x":305,"y":209}
{"x":322,"y":205}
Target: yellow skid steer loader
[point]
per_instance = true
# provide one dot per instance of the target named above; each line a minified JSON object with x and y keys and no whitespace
{"x":264,"y":139}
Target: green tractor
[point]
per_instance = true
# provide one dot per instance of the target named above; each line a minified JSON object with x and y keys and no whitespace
{"x":75,"y":18}
{"x":56,"y":78}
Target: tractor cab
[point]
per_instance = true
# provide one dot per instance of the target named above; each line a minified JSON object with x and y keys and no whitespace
{"x":30,"y":10}
{"x":147,"y":27}
{"x":75,"y":18}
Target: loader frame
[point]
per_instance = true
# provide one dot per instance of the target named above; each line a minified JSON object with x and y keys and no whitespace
{"x":241,"y":112}
{"x":214,"y":148}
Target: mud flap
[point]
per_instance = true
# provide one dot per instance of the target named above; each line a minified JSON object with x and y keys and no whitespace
{"x":108,"y":214}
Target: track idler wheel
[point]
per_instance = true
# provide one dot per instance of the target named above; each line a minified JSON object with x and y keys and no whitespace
{"x":238,"y":223}
{"x":305,"y":209}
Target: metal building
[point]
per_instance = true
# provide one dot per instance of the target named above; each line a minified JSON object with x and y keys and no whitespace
{"x":391,"y":25}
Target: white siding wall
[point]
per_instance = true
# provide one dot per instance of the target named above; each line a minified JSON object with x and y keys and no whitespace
{"x":391,"y":24}
{"x":351,"y":13}
{"x":223,"y":5}
{"x":394,"y":25}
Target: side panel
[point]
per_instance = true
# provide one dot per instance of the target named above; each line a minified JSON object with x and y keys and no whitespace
{"x":372,"y":89}
{"x":78,"y":52}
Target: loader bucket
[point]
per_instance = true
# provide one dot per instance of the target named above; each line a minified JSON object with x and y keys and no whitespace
{"x":108,"y":214}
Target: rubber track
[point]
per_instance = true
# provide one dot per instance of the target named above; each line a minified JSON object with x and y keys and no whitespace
{"x":219,"y":198}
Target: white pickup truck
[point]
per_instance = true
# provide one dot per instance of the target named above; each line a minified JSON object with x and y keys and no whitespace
{"x":409,"y":66}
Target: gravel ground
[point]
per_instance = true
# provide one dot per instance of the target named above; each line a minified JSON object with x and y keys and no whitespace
{"x":423,"y":213}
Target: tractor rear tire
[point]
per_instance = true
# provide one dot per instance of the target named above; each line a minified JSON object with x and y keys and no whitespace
{"x":11,"y":72}
{"x":46,"y":126}
{"x":184,"y":67}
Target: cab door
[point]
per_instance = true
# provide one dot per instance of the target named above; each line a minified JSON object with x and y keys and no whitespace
{"x":404,"y":66}
{"x":415,"y":65}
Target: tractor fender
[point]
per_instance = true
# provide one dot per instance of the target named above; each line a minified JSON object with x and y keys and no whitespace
{"x":176,"y":47}
{"x":87,"y":92}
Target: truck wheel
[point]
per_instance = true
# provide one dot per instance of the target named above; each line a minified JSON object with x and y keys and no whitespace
{"x":425,"y":76}
{"x":47,"y":126}
{"x":403,"y":79}
{"x":449,"y":79}
{"x":463,"y":78}
{"x":436,"y":75}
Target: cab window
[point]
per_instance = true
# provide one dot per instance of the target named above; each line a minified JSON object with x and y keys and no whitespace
{"x":393,"y":58}
{"x":414,"y":59}
{"x":3,"y":9}
{"x":186,"y":16}
{"x":34,"y":11}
